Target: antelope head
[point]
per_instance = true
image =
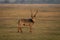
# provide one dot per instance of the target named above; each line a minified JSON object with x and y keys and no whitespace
{"x":33,"y":14}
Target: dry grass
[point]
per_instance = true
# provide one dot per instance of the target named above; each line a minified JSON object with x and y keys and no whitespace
{"x":47,"y":26}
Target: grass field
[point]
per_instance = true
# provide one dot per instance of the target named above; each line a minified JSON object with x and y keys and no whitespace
{"x":46,"y":27}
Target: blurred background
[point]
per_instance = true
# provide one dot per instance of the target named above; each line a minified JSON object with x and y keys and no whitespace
{"x":31,"y":1}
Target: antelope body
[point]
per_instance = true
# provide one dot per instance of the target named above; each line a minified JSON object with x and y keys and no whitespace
{"x":27,"y":22}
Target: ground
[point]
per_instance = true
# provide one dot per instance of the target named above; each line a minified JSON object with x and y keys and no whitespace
{"x":46,"y":27}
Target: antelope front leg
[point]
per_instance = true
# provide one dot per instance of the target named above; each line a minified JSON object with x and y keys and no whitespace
{"x":19,"y":28}
{"x":30,"y":28}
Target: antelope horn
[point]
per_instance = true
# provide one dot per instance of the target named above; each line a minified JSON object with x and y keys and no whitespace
{"x":36,"y":13}
{"x":31,"y":13}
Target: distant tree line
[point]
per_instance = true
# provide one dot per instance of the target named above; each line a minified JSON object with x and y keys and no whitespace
{"x":33,"y":1}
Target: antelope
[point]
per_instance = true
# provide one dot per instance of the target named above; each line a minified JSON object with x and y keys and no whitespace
{"x":27,"y":22}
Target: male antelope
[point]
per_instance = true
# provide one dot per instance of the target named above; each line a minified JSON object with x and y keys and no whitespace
{"x":27,"y":22}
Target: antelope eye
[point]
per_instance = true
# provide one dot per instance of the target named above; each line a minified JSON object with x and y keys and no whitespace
{"x":34,"y":16}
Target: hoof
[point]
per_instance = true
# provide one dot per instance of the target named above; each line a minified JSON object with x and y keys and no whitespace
{"x":31,"y":31}
{"x":18,"y":31}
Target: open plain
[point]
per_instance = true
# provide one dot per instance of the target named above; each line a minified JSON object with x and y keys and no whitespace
{"x":46,"y":27}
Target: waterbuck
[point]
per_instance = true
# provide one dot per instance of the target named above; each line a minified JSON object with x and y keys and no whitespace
{"x":27,"y":22}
